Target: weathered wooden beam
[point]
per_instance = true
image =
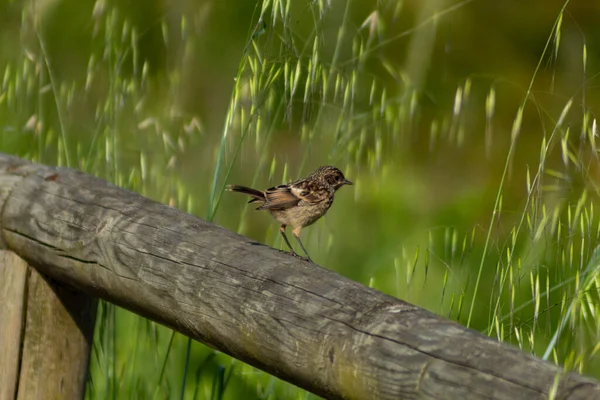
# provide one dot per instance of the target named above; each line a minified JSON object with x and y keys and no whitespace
{"x":46,"y":333}
{"x":302,"y":323}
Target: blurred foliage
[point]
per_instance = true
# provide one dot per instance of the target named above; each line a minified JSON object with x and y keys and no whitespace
{"x":469,"y":129}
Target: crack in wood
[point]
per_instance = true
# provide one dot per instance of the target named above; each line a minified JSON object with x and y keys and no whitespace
{"x":422,"y":374}
{"x":81,"y":260}
{"x":435,"y":356}
{"x":48,"y":245}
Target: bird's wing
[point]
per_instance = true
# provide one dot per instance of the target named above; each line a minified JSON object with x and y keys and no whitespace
{"x":286,"y":196}
{"x":279,"y":198}
{"x":306,"y":192}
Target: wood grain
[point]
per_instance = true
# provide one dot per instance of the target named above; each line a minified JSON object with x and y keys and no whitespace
{"x":302,"y":323}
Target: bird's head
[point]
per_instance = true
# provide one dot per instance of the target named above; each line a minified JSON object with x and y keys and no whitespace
{"x":331,"y":176}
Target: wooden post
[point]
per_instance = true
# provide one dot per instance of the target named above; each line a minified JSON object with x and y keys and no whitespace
{"x":46,"y":343}
{"x":58,"y":339}
{"x":13,"y":281}
{"x":298,"y":321}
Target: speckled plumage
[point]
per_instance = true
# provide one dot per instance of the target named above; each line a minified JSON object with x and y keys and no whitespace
{"x":300,"y":203}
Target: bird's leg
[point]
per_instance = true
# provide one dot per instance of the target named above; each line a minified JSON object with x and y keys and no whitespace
{"x":282,"y":230}
{"x":296,"y":232}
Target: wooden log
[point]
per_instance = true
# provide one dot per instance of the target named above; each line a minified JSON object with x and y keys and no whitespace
{"x":305,"y":324}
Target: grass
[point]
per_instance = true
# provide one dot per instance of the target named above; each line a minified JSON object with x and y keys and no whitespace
{"x":478,"y":202}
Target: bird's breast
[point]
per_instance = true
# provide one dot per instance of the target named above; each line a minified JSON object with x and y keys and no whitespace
{"x":303,"y":214}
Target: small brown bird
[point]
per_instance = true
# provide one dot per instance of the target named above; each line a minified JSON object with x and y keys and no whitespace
{"x":300,"y":203}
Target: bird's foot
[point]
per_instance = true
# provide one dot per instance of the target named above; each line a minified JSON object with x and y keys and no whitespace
{"x":307,"y":259}
{"x":294,"y":254}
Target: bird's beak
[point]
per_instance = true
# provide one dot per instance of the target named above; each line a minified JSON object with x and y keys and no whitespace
{"x":347,"y":182}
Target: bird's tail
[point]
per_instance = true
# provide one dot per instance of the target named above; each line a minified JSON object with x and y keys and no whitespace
{"x":255,"y":194}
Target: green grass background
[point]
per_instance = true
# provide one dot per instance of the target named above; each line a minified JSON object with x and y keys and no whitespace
{"x":468,"y":127}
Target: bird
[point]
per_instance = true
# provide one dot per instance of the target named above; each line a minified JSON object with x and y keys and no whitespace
{"x":300,"y":203}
